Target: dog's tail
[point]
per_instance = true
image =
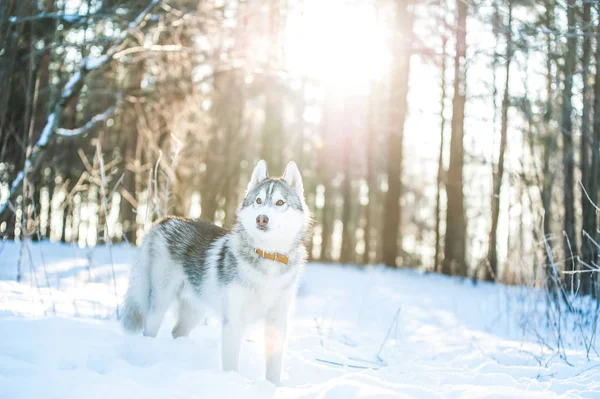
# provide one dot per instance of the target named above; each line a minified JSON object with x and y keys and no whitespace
{"x":136,"y":303}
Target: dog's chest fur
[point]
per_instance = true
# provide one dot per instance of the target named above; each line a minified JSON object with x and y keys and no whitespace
{"x":259,"y":286}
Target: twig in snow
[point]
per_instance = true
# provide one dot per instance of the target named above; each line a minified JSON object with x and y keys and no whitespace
{"x":379,"y":363}
{"x":352,"y":366}
{"x":319,"y":330}
{"x":387,"y":336}
{"x":586,"y":370}
{"x":103,"y":200}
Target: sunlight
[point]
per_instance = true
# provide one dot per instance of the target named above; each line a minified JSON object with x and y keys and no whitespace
{"x":338,"y":43}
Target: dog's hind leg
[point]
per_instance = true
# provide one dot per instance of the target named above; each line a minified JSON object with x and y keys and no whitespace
{"x":160,"y":299}
{"x":158,"y":307}
{"x":188,"y":318}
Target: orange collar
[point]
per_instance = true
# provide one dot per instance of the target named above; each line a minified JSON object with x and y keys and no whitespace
{"x":276,"y":257}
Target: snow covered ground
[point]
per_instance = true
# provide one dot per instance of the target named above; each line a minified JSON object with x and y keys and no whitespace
{"x":59,"y":338}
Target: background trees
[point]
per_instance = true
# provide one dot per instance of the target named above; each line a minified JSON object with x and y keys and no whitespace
{"x":162,"y":108}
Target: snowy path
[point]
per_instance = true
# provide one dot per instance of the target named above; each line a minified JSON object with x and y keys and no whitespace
{"x":451,"y":339}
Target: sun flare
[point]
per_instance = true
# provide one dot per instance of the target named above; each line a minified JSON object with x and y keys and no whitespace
{"x":339,"y":43}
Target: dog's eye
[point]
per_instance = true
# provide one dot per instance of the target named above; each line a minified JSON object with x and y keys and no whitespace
{"x":279,"y":203}
{"x":258,"y":201}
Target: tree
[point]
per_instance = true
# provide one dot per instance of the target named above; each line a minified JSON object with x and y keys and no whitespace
{"x":272,"y":139}
{"x":398,"y":110}
{"x":588,"y":247}
{"x":549,"y":147}
{"x":371,"y":181}
{"x":595,"y":168}
{"x":348,"y":253}
{"x":440,"y":169}
{"x":491,"y":272}
{"x":456,"y":231}
{"x":130,"y":186}
{"x":71,"y":90}
{"x":566,"y":129}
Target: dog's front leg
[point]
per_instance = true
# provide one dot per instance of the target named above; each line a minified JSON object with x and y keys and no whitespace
{"x":275,"y":336}
{"x":231,"y":342}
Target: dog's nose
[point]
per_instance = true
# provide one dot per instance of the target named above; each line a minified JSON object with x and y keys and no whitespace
{"x":262,"y":221}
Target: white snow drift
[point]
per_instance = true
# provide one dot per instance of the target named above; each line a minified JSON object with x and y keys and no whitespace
{"x":59,"y":338}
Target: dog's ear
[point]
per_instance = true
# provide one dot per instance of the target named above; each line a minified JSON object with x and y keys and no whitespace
{"x":258,"y":175}
{"x":292,"y":177}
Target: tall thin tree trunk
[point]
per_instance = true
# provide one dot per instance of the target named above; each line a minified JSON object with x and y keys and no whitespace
{"x":28,"y":202}
{"x":43,"y":95}
{"x":440,"y":171}
{"x":588,"y":250}
{"x":570,"y":243}
{"x":491,"y":272}
{"x":127,"y":213}
{"x":549,"y":145}
{"x":327,"y":222}
{"x":13,"y":91}
{"x":398,"y":108}
{"x":595,"y":168}
{"x":456,"y":231}
{"x":370,"y":179}
{"x":301,"y":139}
{"x":69,"y":172}
{"x":348,"y":253}
{"x":272,"y":136}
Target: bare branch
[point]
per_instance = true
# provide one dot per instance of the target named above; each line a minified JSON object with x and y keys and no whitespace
{"x":95,"y":120}
{"x":156,"y":48}
{"x":68,"y":18}
{"x":588,"y":196}
{"x":71,"y":89}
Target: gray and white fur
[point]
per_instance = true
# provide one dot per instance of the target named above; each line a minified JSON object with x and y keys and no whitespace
{"x":205,"y":267}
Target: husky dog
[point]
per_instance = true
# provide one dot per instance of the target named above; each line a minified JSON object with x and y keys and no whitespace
{"x":246,"y":274}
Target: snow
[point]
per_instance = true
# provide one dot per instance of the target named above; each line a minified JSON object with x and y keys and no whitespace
{"x":71,"y":17}
{"x":49,"y":127}
{"x":96,"y":119}
{"x":68,"y":90}
{"x":95,"y":63}
{"x":59,"y":337}
{"x":19,"y":178}
{"x":16,"y":182}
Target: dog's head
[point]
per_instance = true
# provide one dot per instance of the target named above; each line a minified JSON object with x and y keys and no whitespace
{"x":273,"y":213}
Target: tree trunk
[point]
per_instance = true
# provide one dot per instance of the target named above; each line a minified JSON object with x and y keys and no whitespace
{"x":595,"y":170}
{"x":327,"y":222}
{"x":272,"y":136}
{"x":440,"y":171}
{"x":14,"y":91}
{"x":370,"y":179}
{"x":348,"y":253}
{"x":570,"y":243}
{"x":588,"y":247}
{"x":491,"y":272}
{"x":68,"y":164}
{"x":127,"y":213}
{"x":398,"y":108}
{"x":456,"y":231}
{"x":272,"y":145}
{"x":549,"y":145}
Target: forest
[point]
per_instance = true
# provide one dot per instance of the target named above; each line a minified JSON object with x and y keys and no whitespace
{"x":459,"y":137}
